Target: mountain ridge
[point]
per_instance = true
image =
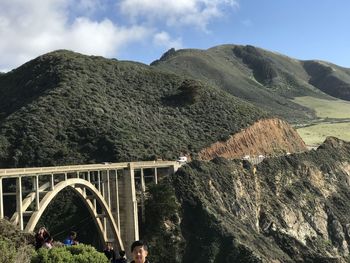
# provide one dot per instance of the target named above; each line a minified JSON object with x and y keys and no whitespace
{"x":240,"y":71}
{"x":97,"y":109}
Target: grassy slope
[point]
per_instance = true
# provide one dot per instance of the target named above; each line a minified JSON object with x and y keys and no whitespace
{"x":64,"y":107}
{"x":266,"y":79}
{"x":334,"y":120}
{"x":314,"y":135}
{"x":338,"y":109}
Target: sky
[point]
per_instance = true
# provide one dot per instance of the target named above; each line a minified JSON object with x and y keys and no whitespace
{"x":142,"y":30}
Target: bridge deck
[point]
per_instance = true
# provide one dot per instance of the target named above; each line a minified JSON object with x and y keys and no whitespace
{"x":14,"y":172}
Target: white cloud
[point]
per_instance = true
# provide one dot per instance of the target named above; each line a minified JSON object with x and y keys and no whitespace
{"x":163,"y":39}
{"x":178,"y":12}
{"x":31,"y":28}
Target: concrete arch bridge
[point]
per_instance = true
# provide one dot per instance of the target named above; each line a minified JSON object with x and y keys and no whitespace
{"x":108,"y":191}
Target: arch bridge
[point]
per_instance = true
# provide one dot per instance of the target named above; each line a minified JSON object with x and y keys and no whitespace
{"x":108,"y":190}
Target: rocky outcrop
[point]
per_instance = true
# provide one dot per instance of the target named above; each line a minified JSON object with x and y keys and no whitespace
{"x":293,"y":208}
{"x":266,"y":136}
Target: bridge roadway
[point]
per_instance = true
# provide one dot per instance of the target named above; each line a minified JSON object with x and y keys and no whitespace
{"x":108,"y":190}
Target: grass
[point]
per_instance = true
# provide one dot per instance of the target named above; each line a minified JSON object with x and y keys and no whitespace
{"x":338,"y":109}
{"x":334,"y":120}
{"x":316,"y":134}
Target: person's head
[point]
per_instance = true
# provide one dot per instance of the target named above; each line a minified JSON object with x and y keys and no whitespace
{"x":139,"y":251}
{"x":73,"y":235}
{"x":42,"y":230}
{"x":122,"y":253}
{"x":109,"y":245}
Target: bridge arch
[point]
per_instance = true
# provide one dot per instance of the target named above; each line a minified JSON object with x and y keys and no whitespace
{"x":80,"y":186}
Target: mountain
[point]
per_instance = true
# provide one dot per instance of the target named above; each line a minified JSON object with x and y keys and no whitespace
{"x":266,"y":79}
{"x":293,"y":208}
{"x":67,"y":108}
{"x":329,"y":78}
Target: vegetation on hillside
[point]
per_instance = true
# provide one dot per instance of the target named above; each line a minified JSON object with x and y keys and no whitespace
{"x":262,"y":69}
{"x":331,"y":79}
{"x":220,"y":67}
{"x":66,"y":108}
{"x":289,"y":209}
{"x":266,"y":79}
{"x":162,"y":224}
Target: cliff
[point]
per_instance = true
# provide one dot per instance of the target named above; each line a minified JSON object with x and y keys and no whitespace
{"x":292,"y":209}
{"x":264,"y":137}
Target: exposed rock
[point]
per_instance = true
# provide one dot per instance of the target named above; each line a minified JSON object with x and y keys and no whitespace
{"x":268,"y":136}
{"x":293,"y":208}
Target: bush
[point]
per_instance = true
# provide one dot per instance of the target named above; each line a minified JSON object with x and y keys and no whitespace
{"x":10,"y":252}
{"x":7,"y":251}
{"x":74,"y":254}
{"x":14,"y":245}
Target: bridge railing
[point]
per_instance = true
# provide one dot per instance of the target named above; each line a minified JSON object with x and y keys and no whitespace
{"x":5,"y":173}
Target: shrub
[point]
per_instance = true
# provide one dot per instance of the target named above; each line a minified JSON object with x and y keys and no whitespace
{"x":74,"y":254}
{"x":7,"y":251}
{"x":14,"y":245}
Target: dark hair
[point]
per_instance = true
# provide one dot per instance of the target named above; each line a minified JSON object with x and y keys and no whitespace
{"x":138,"y":243}
{"x":73,"y":234}
{"x":122,"y":253}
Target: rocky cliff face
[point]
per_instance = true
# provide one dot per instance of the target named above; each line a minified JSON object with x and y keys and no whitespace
{"x":267,"y":136}
{"x":292,"y":208}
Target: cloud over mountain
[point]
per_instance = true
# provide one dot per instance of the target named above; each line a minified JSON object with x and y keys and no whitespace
{"x":30,"y":28}
{"x":96,"y":27}
{"x":175,"y":13}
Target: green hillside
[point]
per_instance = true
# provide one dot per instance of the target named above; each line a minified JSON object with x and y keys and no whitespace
{"x":329,"y":78}
{"x":266,"y":79}
{"x":65,"y":108}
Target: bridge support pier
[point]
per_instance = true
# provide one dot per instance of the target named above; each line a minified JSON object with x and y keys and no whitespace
{"x":1,"y":201}
{"x":19,"y":202}
{"x":128,"y":205}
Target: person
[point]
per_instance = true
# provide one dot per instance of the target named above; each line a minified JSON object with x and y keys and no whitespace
{"x":41,"y":237}
{"x":139,"y":252}
{"x":109,"y":252}
{"x":48,"y":243}
{"x":122,"y":258}
{"x":71,"y":239}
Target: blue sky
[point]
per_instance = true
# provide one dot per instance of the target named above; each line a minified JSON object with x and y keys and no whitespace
{"x":142,"y":30}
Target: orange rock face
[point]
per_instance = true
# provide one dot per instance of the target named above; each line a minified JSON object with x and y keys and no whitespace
{"x":265,"y":137}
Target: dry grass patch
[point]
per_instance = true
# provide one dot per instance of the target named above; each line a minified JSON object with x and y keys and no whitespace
{"x":316,"y":134}
{"x":338,"y":109}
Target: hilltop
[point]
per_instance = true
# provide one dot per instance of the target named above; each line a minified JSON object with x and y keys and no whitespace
{"x":266,"y":79}
{"x":64,"y":107}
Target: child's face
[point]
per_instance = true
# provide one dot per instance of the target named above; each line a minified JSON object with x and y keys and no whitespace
{"x":139,"y":254}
